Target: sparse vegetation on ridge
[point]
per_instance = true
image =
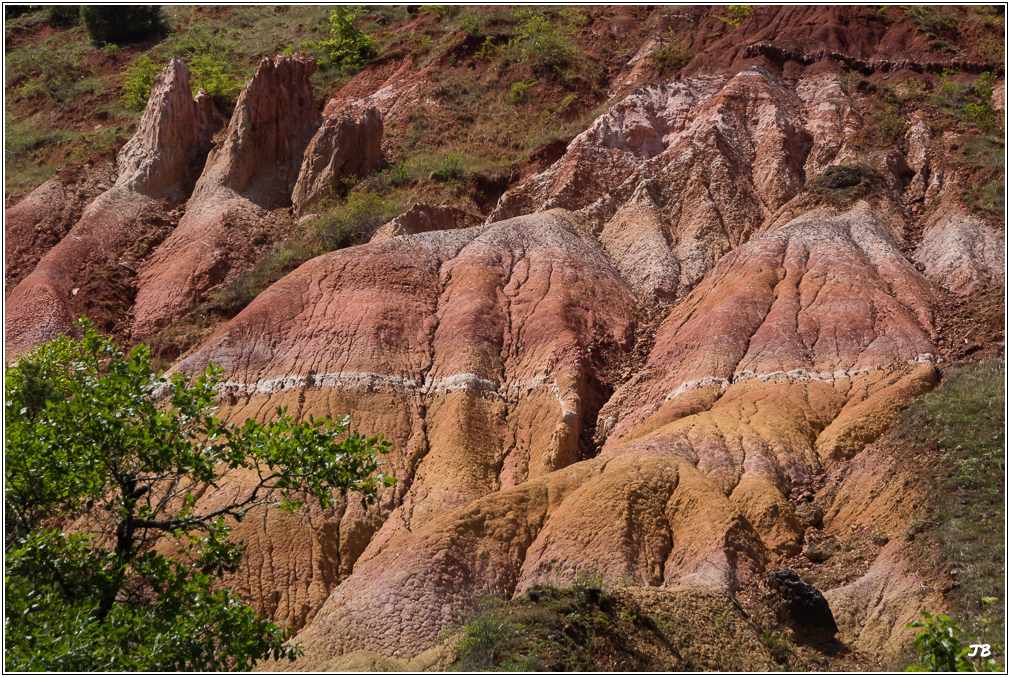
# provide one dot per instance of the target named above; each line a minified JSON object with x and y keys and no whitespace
{"x":963,"y":423}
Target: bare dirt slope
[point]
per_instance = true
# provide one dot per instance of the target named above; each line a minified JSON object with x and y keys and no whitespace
{"x":664,"y":356}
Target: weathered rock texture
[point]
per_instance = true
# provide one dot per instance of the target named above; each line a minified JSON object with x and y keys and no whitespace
{"x":37,"y":223}
{"x":676,"y":176}
{"x":644,"y":363}
{"x":423,"y":218}
{"x":470,"y":349}
{"x":154,"y":168}
{"x":796,"y":351}
{"x":530,"y":443}
{"x":342,"y":147}
{"x":250,"y":172}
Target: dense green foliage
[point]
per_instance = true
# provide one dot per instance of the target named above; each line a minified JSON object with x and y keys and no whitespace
{"x":98,"y":470}
{"x":945,"y":647}
{"x":347,"y":46}
{"x":222,"y":79}
{"x":14,"y":11}
{"x":139,"y":81}
{"x":63,"y":14}
{"x":543,"y":44}
{"x":120,"y":24}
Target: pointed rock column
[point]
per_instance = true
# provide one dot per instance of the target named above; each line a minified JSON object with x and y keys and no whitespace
{"x":251,"y":172}
{"x":342,"y":147}
{"x":154,"y":168}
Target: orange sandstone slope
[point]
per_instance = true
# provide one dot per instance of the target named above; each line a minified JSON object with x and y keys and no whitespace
{"x":662,"y":358}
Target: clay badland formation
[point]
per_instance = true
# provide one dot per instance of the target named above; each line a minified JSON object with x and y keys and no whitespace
{"x":662,"y":356}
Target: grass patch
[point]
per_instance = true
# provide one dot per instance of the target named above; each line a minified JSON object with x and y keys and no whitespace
{"x":964,"y":421}
{"x":986,"y":156}
{"x":735,"y":14}
{"x":558,"y":629}
{"x":938,"y":24}
{"x":48,"y":68}
{"x":843,"y":184}
{"x":670,"y":58}
{"x":779,"y":646}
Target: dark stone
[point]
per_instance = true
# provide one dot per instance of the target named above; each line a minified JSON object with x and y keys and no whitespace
{"x":808,"y":613}
{"x":841,"y":176}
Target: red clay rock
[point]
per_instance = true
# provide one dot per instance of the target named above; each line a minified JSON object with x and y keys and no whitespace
{"x":154,"y":168}
{"x":251,"y":172}
{"x":686,"y":490}
{"x":678,"y":175}
{"x":599,"y":159}
{"x":341,"y":148}
{"x":38,"y":222}
{"x":467,"y":348}
{"x":422,"y":218}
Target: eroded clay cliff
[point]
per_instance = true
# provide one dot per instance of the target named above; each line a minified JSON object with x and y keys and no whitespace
{"x":666,"y":358}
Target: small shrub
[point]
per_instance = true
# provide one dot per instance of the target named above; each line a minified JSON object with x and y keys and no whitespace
{"x":347,"y":46}
{"x":449,"y":168}
{"x":14,"y":11}
{"x":471,"y":24}
{"x":488,"y":636}
{"x":63,"y":15}
{"x":353,"y":220}
{"x":889,"y":123}
{"x":982,"y":113}
{"x":939,"y":646}
{"x":440,"y":11}
{"x":951,"y":96}
{"x":517,"y":93}
{"x":541,"y":43}
{"x":221,"y":78}
{"x":779,"y":646}
{"x":398,"y":175}
{"x":933,"y":21}
{"x":910,"y":89}
{"x":843,"y":178}
{"x":488,"y":49}
{"x":522,"y":664}
{"x":880,"y":539}
{"x":985,"y":155}
{"x":120,"y":24}
{"x":880,"y":14}
{"x":987,"y":15}
{"x":992,"y":49}
{"x":139,"y":81}
{"x":243,"y":289}
{"x":670,"y":58}
{"x":735,"y":14}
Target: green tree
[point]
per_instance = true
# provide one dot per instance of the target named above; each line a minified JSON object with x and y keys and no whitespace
{"x":120,"y":24}
{"x":348,"y":46}
{"x":62,"y":15}
{"x":542,"y":43}
{"x":104,"y":459}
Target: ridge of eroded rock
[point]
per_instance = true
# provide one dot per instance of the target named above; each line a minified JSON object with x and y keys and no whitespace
{"x":153,"y":170}
{"x":250,"y":173}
